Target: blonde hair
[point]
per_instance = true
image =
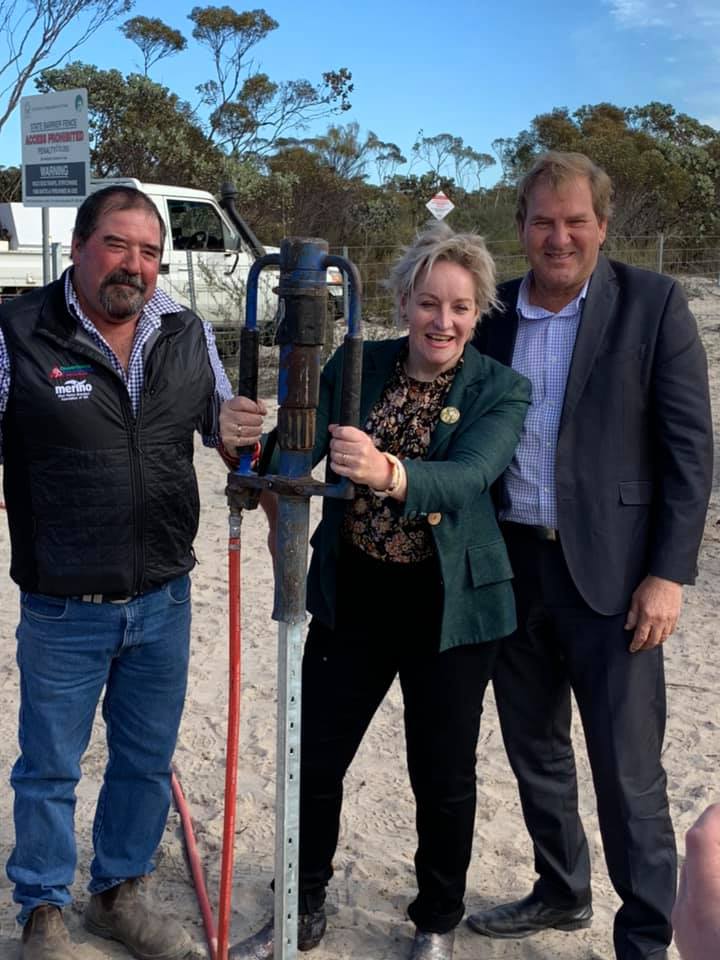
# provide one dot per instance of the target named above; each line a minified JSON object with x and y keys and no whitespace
{"x":557,"y":168}
{"x":439,"y":242}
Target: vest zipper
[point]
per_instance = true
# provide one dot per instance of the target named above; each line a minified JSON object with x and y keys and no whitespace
{"x":150,"y":378}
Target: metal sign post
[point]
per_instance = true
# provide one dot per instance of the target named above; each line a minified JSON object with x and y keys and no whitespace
{"x":303,"y":307}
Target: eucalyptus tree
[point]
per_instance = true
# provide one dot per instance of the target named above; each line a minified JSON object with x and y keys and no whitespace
{"x":665,"y":165}
{"x":248,"y":111}
{"x":156,"y":39}
{"x":139,"y":128}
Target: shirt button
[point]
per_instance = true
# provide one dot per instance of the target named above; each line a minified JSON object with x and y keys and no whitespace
{"x":434,"y":519}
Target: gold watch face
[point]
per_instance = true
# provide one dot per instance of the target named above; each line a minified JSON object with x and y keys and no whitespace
{"x":449,"y":414}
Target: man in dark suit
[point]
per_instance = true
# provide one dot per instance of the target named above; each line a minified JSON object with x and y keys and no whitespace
{"x":603,"y":511}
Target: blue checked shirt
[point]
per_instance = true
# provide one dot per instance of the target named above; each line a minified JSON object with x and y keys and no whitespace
{"x":543,"y":351}
{"x":148,"y":324}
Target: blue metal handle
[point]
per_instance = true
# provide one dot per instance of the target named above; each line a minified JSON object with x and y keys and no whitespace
{"x":352,"y":361}
{"x":301,"y":333}
{"x":250,"y":351}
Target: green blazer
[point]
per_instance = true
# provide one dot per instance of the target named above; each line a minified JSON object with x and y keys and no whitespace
{"x":451,"y":488}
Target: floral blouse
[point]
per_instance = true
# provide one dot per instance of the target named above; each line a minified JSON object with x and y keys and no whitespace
{"x":401,"y":423}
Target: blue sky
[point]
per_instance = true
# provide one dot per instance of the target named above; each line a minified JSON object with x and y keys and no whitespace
{"x":478,"y":69}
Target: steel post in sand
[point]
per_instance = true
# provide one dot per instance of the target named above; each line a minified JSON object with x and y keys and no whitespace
{"x":301,"y":334}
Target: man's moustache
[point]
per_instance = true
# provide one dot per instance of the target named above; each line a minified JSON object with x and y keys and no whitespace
{"x":128,"y":279}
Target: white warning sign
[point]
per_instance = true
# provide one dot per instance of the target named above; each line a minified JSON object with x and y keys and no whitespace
{"x":440,"y":205}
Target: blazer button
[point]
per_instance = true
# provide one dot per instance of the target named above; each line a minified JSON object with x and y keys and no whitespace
{"x":434,"y":519}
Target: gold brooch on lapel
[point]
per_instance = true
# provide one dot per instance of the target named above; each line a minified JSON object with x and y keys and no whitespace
{"x":449,"y":414}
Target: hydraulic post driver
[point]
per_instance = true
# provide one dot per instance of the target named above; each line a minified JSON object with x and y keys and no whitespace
{"x":301,"y":334}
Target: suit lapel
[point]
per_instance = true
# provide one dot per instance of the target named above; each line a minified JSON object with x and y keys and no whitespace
{"x":597,"y":312}
{"x":508,"y":325}
{"x":378,"y":364}
{"x":466,"y":375}
{"x":498,"y":331}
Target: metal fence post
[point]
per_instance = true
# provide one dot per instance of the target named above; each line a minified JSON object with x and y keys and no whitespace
{"x":56,"y":260}
{"x":303,"y":307}
{"x":191,"y":280}
{"x":346,"y":288}
{"x":46,"y":268}
{"x":660,"y":252}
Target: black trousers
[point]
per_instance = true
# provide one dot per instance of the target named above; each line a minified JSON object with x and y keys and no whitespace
{"x":563,"y":645}
{"x":388,"y":621}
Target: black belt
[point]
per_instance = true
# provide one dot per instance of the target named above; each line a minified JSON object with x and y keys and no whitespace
{"x":533,"y":530}
{"x":105,"y":598}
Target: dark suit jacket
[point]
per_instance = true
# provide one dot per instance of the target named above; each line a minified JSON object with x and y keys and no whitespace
{"x":634,"y":452}
{"x":450,"y":487}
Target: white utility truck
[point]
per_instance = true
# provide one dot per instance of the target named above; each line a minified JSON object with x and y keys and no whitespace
{"x":208,"y":252}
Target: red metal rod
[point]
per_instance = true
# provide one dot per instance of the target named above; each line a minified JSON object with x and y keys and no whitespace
{"x":195,"y":864}
{"x":233,"y":736}
{"x":217,"y":940}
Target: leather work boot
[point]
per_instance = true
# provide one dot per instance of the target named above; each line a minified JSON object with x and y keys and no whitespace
{"x":127,"y":914}
{"x":261,"y":946}
{"x":45,"y":936}
{"x":432,"y":946}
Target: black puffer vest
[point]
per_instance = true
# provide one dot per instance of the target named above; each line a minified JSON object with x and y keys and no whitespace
{"x":97,"y":500}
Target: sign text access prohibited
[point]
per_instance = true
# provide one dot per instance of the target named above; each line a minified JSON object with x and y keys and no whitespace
{"x":440,"y":205}
{"x":55,"y":148}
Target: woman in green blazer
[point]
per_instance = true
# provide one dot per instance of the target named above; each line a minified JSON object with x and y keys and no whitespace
{"x":409,"y":579}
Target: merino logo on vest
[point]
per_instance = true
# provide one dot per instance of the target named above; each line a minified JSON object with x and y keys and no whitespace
{"x":70,"y":383}
{"x":73,"y":390}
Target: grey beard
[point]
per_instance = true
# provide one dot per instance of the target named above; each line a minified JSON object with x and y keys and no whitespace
{"x":122,"y":302}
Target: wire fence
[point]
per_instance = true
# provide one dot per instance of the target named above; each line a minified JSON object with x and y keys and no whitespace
{"x":682,"y":257}
{"x":678,"y":256}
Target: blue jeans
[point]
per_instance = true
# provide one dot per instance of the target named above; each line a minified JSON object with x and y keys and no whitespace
{"x":67,"y":652}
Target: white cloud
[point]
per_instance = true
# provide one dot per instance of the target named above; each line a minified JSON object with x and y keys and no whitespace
{"x":683,"y":35}
{"x":637,"y":13}
{"x":691,"y":16}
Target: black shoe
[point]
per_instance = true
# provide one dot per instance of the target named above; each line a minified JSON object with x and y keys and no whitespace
{"x":432,"y":946}
{"x":261,"y":946}
{"x":311,"y":929}
{"x":529,"y":915}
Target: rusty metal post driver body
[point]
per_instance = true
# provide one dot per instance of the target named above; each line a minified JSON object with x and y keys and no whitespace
{"x":301,"y":334}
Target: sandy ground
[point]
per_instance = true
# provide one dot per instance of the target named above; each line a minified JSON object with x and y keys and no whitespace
{"x":374,"y":869}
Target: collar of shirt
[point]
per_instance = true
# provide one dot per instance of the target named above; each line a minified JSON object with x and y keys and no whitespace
{"x":160,"y":303}
{"x":529,"y":311}
{"x":148,"y":325}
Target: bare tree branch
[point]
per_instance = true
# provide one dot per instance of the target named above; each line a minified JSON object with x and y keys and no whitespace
{"x":31,"y":32}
